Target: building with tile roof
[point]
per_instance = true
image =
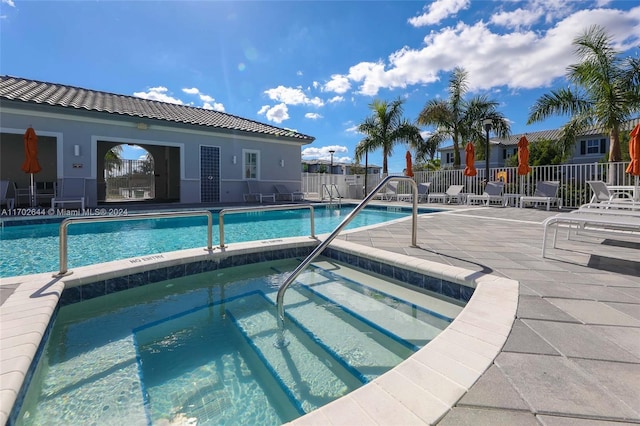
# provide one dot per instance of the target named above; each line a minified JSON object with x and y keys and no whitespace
{"x":591,"y":146}
{"x":198,"y":155}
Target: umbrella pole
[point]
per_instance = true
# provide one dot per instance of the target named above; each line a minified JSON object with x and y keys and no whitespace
{"x":32,"y":193}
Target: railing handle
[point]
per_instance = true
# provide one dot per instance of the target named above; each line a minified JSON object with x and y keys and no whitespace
{"x":331,"y":237}
{"x":64,"y":225}
{"x":264,"y":208}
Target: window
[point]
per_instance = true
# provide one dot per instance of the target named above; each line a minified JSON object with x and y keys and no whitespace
{"x":251,"y":160}
{"x":593,"y":146}
{"x":449,"y":157}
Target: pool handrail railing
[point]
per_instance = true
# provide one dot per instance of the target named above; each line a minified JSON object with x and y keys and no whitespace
{"x":64,"y":225}
{"x":320,"y":247}
{"x":235,"y":210}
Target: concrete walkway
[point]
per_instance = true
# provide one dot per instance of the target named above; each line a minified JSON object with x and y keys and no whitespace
{"x":573,"y":355}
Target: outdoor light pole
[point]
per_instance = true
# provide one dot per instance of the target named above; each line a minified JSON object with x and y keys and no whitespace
{"x":487,"y":127}
{"x":331,"y":169}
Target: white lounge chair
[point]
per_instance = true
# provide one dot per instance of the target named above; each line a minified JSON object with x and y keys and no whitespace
{"x":452,"y":193}
{"x":282,"y":192}
{"x":69,"y":190}
{"x":423,"y":191}
{"x":601,"y":193}
{"x":390,"y":193}
{"x":546,"y":193}
{"x":492,"y":193}
{"x":4,"y":188}
{"x":610,"y":223}
{"x":255,"y":194}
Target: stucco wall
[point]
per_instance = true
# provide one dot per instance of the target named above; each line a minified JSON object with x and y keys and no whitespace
{"x":175,"y":151}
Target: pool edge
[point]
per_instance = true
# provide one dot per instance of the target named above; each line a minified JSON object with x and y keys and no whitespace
{"x":405,"y":393}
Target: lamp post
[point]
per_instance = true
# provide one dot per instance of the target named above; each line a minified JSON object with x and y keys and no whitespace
{"x":487,"y":128}
{"x":331,"y":168}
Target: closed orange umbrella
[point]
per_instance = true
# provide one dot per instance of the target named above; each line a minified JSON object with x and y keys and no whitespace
{"x":409,"y":171}
{"x":523,"y":156}
{"x":470,"y":160}
{"x":634,"y":153}
{"x":31,"y":164}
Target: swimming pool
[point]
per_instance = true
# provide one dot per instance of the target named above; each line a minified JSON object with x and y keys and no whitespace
{"x":200,"y":348}
{"x":30,"y":249}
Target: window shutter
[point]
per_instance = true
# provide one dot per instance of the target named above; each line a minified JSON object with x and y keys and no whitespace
{"x":603,"y":146}
{"x":583,"y":147}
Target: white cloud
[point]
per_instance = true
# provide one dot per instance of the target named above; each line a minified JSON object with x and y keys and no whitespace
{"x":292,"y":96}
{"x":208,"y":102}
{"x":313,"y":115}
{"x":216,"y":106}
{"x":158,"y":94}
{"x":352,"y":129}
{"x":520,"y":59}
{"x":322,"y":153}
{"x":437,"y":11}
{"x":9,"y":2}
{"x":277,"y":113}
{"x":336,"y":99}
{"x":339,"y":84}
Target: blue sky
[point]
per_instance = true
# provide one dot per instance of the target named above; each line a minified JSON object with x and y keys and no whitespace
{"x":312,"y":66}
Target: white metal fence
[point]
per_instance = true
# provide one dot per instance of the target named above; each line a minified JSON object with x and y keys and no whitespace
{"x":574,"y":190}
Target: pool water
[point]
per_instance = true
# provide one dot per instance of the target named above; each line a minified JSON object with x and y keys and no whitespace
{"x":30,"y":249}
{"x":200,"y":349}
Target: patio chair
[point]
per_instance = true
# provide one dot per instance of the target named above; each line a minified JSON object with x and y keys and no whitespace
{"x":601,"y":193}
{"x":282,"y":192}
{"x":492,"y":193}
{"x":255,"y":194}
{"x":546,"y":192}
{"x":452,"y":193}
{"x":423,"y":191}
{"x":390,"y":193}
{"x":69,"y":190}
{"x":4,"y":189}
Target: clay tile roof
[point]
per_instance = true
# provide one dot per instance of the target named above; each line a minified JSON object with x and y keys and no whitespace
{"x":38,"y":92}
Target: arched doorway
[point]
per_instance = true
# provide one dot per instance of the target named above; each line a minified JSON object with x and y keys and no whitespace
{"x":129,"y":174}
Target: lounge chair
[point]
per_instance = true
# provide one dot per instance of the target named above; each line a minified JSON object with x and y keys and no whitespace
{"x":610,"y":223}
{"x":390,"y":193}
{"x":546,"y":192}
{"x":282,"y":192}
{"x":255,"y":194}
{"x":601,"y":193}
{"x":454,"y":192}
{"x":69,"y":190}
{"x":492,"y":193}
{"x":4,"y":189}
{"x":423,"y":191}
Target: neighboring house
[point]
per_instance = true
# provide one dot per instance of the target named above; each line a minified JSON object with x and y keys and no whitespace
{"x":324,"y":166}
{"x":590,"y":147}
{"x":198,"y":155}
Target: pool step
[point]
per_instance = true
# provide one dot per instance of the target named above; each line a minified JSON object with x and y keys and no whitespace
{"x":325,"y":377}
{"x":367,"y":349}
{"x":406,"y":321}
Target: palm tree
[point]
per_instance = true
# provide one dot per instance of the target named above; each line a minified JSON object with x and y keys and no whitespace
{"x":460,"y":119}
{"x":605,"y":92}
{"x":384,"y":128}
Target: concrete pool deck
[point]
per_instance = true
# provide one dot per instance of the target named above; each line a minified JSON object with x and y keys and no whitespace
{"x":573,"y":353}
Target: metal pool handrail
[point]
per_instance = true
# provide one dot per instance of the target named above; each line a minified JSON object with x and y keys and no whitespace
{"x":325,"y":243}
{"x":136,"y":216}
{"x":264,"y":208}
